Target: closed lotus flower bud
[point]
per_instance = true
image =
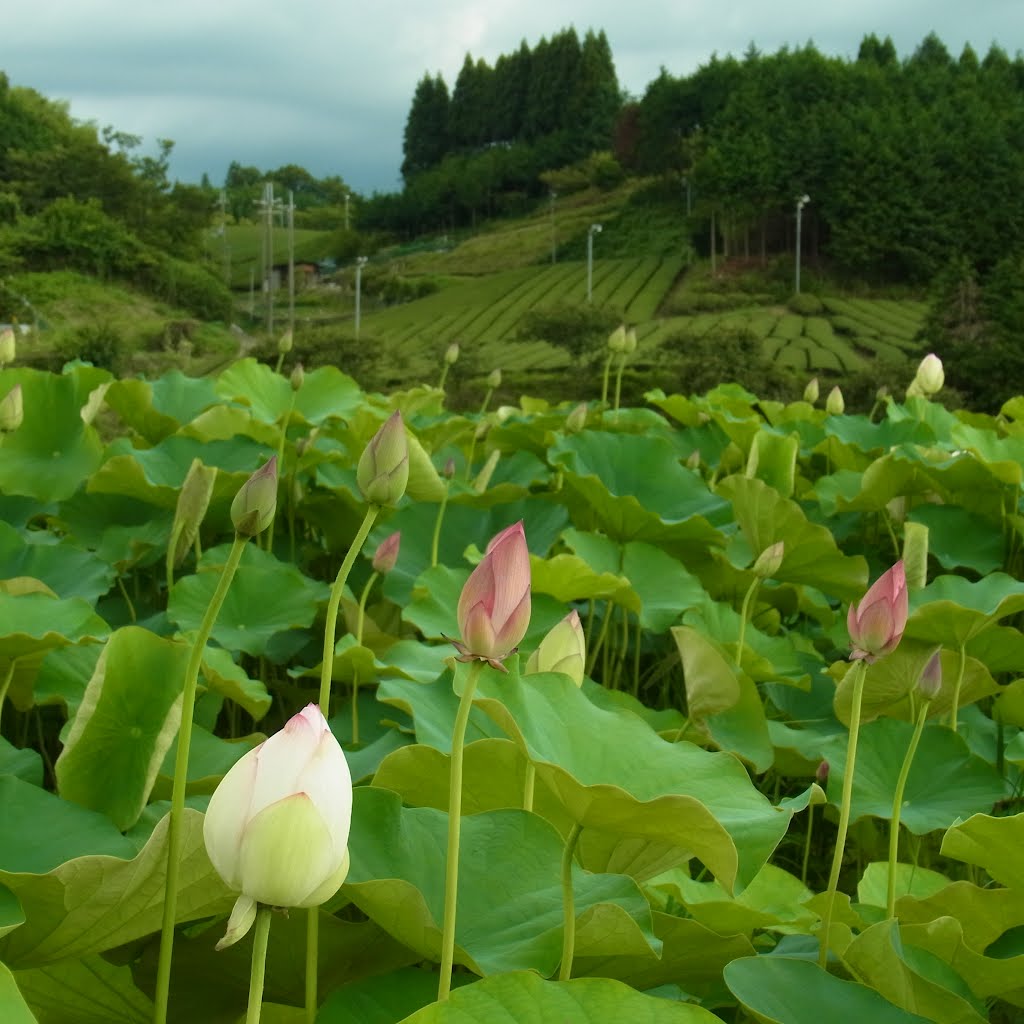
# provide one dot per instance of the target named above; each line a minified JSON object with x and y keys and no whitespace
{"x":564,"y":649}
{"x":383,"y":470}
{"x":253,"y":509}
{"x":386,"y":555}
{"x":451,"y":353}
{"x":577,"y":419}
{"x":8,"y":348}
{"x":284,"y":343}
{"x":449,"y":469}
{"x":770,"y":560}
{"x":929,"y":683}
{"x":617,"y":339}
{"x":193,"y":501}
{"x":693,"y":459}
{"x":494,"y":378}
{"x":494,"y":607}
{"x":930,"y":376}
{"x":876,"y":624}
{"x":630,"y":344}
{"x":12,"y":409}
{"x":811,"y":391}
{"x":834,"y":404}
{"x":277,"y":825}
{"x":821,"y":775}
{"x":297,"y":378}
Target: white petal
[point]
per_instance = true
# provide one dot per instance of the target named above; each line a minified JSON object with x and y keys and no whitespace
{"x":226,"y":817}
{"x":327,"y":781}
{"x":243,"y":913}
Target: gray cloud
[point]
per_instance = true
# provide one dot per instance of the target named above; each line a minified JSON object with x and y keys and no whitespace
{"x":328,"y":85}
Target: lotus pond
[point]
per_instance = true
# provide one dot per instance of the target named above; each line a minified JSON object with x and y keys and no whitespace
{"x":684,"y":802}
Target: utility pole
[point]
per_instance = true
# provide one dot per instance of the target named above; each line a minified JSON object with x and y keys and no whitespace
{"x":801,"y":202}
{"x":360,"y":263}
{"x":591,"y":231}
{"x":291,"y":260}
{"x":268,"y":206}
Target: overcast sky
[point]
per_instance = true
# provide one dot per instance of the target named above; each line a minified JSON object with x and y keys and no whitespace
{"x":328,"y":84}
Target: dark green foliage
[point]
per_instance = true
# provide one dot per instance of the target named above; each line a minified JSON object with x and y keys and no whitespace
{"x":426,"y":128}
{"x":101,"y":344}
{"x":580,"y":330}
{"x":806,"y":304}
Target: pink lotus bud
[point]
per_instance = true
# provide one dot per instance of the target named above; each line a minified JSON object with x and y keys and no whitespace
{"x":383,"y":471}
{"x":821,"y":775}
{"x":877,"y":623}
{"x":564,"y":649}
{"x":12,"y":409}
{"x":449,"y":469}
{"x":277,"y":826}
{"x":385,"y":557}
{"x":929,"y":683}
{"x":494,"y":607}
{"x":253,"y":509}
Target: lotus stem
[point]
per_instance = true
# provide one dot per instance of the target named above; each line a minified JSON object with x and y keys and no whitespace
{"x":6,"y":684}
{"x":807,"y":843}
{"x":436,"y":539}
{"x":261,"y":935}
{"x":604,"y":382}
{"x":451,"y":877}
{"x":860,"y":671}
{"x":269,"y":541}
{"x":188,"y":703}
{"x":618,"y":383}
{"x":897,"y":807}
{"x":568,"y":904}
{"x":529,"y":784}
{"x":748,"y":598}
{"x":359,"y":640}
{"x":954,"y":711}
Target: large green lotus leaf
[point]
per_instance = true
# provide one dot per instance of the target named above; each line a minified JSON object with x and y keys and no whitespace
{"x":413,"y":659}
{"x":523,"y":998}
{"x":266,"y":597}
{"x":181,"y":397}
{"x":327,"y":392}
{"x":67,"y":569}
{"x":781,"y":990}
{"x":946,"y":780}
{"x":811,"y":554}
{"x":692,"y":956}
{"x":569,"y":578}
{"x":868,"y":437}
{"x":230,"y":680}
{"x":893,"y":679}
{"x":384,"y":998}
{"x":773,"y":901}
{"x":87,"y":991}
{"x":913,"y":979}
{"x":127,"y":720}
{"x":1004,"y":456}
{"x":256,"y":385}
{"x":987,"y":975}
{"x":952,"y":610}
{"x":638,"y":785}
{"x":11,"y":914}
{"x":958,"y":538}
{"x":155,"y":475}
{"x":53,"y":451}
{"x":772,"y":458}
{"x":25,"y":764}
{"x":723,"y":700}
{"x":63,"y":676}
{"x":665,"y":587}
{"x":509,"y":884}
{"x":36,"y":623}
{"x":665,"y":721}
{"x":433,"y":707}
{"x":435,"y":599}
{"x":222,"y":422}
{"x":911,"y":880}
{"x":13,"y":1008}
{"x":994,"y":844}
{"x":635,"y":488}
{"x":463,"y":525}
{"x":985,"y":914}
{"x":80,"y":899}
{"x":132,"y":400}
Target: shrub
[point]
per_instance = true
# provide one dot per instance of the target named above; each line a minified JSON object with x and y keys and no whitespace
{"x":577,"y":329}
{"x":806,"y":304}
{"x":101,"y":344}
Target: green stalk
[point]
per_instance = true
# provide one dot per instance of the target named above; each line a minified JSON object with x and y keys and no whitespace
{"x":568,"y":904}
{"x":897,"y":806}
{"x":259,"y":965}
{"x":744,"y":613}
{"x":269,"y":541}
{"x":436,"y":539}
{"x":444,"y":376}
{"x":6,"y":684}
{"x":807,"y":843}
{"x":618,"y":383}
{"x":188,"y":703}
{"x":529,"y":784}
{"x":860,"y":668}
{"x":487,"y":401}
{"x":324,"y":699}
{"x":600,"y":639}
{"x":359,"y":639}
{"x":169,"y":561}
{"x":955,"y":709}
{"x":451,"y":877}
{"x":604,"y":383}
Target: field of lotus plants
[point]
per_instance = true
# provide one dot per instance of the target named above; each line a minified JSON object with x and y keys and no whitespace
{"x":317,"y":704}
